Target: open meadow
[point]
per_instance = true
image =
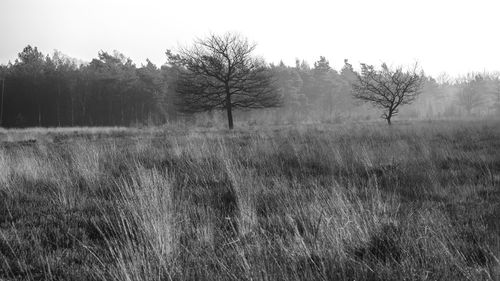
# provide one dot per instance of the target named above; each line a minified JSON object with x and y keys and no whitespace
{"x":417,"y":201}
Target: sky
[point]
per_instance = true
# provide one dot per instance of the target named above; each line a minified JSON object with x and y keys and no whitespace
{"x":442,"y":36}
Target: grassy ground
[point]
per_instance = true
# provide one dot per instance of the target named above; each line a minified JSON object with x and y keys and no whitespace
{"x":349,"y":202}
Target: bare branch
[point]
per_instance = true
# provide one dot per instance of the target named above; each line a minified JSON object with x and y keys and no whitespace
{"x":218,"y":72}
{"x":387,"y":89}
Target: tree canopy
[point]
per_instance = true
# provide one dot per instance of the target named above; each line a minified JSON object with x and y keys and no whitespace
{"x":219,"y":72}
{"x":386,"y":88}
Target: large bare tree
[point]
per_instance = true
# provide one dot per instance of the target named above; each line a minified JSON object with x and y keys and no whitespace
{"x":219,"y":72}
{"x":387,"y":88}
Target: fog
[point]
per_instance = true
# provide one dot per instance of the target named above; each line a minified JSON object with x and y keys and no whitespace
{"x":104,"y":63}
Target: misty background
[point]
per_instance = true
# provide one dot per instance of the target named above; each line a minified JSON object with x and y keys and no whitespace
{"x":103,"y":63}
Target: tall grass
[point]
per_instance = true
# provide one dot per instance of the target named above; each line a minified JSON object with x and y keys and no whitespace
{"x":307,"y":203}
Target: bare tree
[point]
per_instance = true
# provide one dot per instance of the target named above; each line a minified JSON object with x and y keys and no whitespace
{"x":472,"y":92}
{"x":386,"y":88}
{"x":219,"y":72}
{"x":496,"y":94}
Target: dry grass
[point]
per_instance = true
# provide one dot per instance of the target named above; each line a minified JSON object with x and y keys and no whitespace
{"x":358,"y":202}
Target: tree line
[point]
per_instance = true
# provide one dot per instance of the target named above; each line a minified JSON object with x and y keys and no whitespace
{"x":220,"y":72}
{"x":43,"y":90}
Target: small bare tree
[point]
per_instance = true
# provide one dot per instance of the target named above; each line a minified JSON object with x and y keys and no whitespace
{"x":219,"y":72}
{"x":386,"y":88}
{"x":472,"y":93}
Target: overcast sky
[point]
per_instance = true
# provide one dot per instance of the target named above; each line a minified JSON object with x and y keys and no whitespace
{"x":452,"y":36}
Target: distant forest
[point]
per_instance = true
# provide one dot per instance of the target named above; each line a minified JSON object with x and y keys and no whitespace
{"x":111,"y":90}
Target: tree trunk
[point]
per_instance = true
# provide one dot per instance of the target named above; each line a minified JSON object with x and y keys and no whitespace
{"x":122,"y":117}
{"x":58,"y":105}
{"x":72,"y":111}
{"x":1,"y":105}
{"x":229,"y":112}
{"x":83,"y":119}
{"x":143,"y":117}
{"x":110,"y":113}
{"x":389,"y":115}
{"x":39,"y":115}
{"x":135,"y":112}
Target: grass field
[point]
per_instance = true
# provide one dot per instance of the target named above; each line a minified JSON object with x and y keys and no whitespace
{"x":414,"y":201}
